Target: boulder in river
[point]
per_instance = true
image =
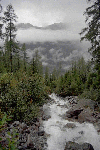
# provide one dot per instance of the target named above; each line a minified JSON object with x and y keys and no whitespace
{"x":86,"y":116}
{"x":73,"y":113}
{"x":70,"y":125}
{"x":75,"y":146}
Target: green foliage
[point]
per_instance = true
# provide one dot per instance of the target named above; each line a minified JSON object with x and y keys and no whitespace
{"x":21,"y":94}
{"x":9,"y":35}
{"x":47,"y":80}
{"x":0,"y":22}
{"x":74,"y":80}
{"x":36,"y":65}
{"x":24,"y":55}
{"x":90,"y":94}
{"x":92,"y":31}
{"x":11,"y":138}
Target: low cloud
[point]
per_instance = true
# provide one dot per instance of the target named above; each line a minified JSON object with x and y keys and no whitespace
{"x":75,"y":54}
{"x":37,"y":35}
{"x":44,"y":63}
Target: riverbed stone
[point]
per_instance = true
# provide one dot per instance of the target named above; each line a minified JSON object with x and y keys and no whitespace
{"x":16,"y":123}
{"x":75,"y":146}
{"x":70,"y":125}
{"x":23,"y":126}
{"x":74,"y":113}
{"x":86,"y":116}
{"x":46,"y":117}
{"x":46,"y":113}
{"x":41,"y":133}
{"x":85,"y":103}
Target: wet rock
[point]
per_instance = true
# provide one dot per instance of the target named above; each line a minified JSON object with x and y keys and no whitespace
{"x":27,"y":131}
{"x":35,"y":120}
{"x":46,"y":113}
{"x":81,"y":132}
{"x":73,"y":113}
{"x":87,"y":146}
{"x":97,"y":126}
{"x":23,"y":126}
{"x":29,"y":140}
{"x":70,"y":125}
{"x":85,"y":103}
{"x":72,"y":100}
{"x":16,"y":123}
{"x":75,"y":146}
{"x":98,"y":116}
{"x":46,"y":117}
{"x":41,"y":133}
{"x":86,"y":116}
{"x":41,"y":128}
{"x":98,"y":131}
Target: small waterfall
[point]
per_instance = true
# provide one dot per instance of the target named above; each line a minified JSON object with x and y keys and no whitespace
{"x":58,"y":131}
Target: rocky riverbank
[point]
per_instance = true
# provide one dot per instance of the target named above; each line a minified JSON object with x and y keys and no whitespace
{"x":83,"y":110}
{"x":34,"y":137}
{"x":29,"y":137}
{"x":73,"y":125}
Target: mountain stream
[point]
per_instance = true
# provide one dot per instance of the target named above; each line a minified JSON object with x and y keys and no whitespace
{"x":58,"y":131}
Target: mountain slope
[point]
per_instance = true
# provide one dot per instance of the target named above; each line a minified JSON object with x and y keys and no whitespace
{"x":55,"y":26}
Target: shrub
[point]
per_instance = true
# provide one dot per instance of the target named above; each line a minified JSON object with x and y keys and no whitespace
{"x":21,"y":94}
{"x":11,"y":142}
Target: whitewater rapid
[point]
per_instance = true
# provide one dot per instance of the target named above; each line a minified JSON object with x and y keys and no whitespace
{"x":59,"y":134}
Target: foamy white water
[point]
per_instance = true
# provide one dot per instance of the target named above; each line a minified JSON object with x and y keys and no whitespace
{"x":59,"y":134}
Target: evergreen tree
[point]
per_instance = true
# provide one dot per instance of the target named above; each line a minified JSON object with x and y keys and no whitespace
{"x":24,"y":55}
{"x":92,"y":31}
{"x":54,"y":74}
{"x":38,"y":63}
{"x":1,"y":20}
{"x":47,"y":80}
{"x":10,"y":29}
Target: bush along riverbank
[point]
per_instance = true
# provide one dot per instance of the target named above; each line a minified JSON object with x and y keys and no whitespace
{"x":21,"y":135}
{"x":22,"y":96}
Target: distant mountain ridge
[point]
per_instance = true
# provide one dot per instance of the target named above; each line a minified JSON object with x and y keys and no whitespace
{"x":55,"y":26}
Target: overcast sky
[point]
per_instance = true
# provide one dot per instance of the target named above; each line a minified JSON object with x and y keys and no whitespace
{"x":46,"y":12}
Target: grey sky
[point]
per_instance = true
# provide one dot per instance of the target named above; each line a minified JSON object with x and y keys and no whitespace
{"x":44,"y":12}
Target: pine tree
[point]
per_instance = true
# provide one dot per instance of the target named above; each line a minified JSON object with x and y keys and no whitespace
{"x":92,"y":31}
{"x":10,"y":29}
{"x":47,"y":80}
{"x":24,"y":55}
{"x":38,"y":63}
{"x":1,"y":23}
{"x":34,"y":69}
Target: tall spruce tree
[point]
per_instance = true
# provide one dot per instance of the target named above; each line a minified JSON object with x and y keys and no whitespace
{"x":0,"y":21}
{"x":24,"y":55}
{"x":92,"y":31}
{"x":47,"y":76}
{"x":9,"y":19}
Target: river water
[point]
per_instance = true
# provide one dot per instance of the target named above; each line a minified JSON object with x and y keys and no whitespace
{"x":57,"y":131}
